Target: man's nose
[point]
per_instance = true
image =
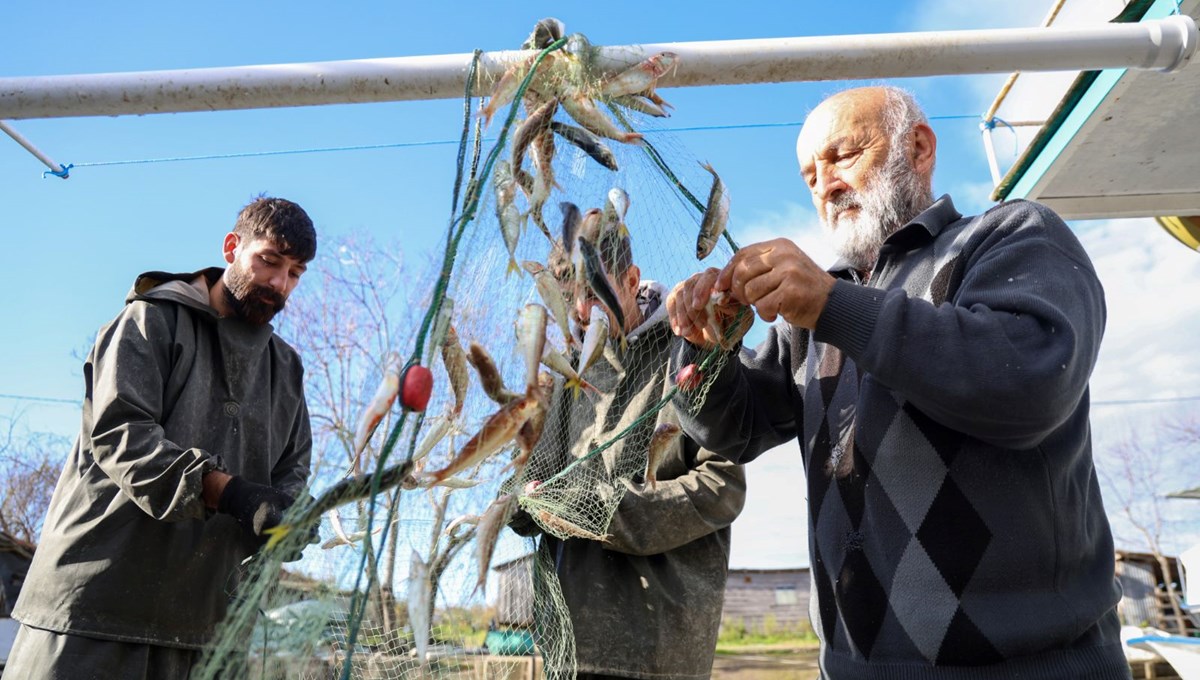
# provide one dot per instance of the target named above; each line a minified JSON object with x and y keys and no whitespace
{"x":278,"y":282}
{"x":828,"y":183}
{"x":583,"y":310}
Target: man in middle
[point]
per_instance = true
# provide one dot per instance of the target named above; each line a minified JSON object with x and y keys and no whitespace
{"x":647,"y":601}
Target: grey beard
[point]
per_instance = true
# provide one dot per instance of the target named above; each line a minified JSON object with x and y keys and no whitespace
{"x":893,"y":197}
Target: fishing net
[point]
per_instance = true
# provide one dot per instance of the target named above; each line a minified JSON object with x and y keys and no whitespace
{"x":418,"y":573}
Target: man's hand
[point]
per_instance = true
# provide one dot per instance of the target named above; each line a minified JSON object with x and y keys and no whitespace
{"x":312,"y":534}
{"x":777,"y":279}
{"x":695,"y":316}
{"x":257,"y":507}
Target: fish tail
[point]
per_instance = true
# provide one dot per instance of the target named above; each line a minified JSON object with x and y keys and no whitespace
{"x":541,"y":223}
{"x":512,"y":266}
{"x":277,"y":534}
{"x":578,"y":385}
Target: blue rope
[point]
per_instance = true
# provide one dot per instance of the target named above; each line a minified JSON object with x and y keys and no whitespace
{"x":991,"y":125}
{"x":403,"y":145}
{"x":64,"y":173}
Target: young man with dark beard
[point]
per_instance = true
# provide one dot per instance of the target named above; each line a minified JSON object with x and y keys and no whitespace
{"x":937,"y":382}
{"x":194,"y":439}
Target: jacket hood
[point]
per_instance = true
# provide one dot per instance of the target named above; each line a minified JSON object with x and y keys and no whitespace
{"x":650,"y":298}
{"x":189,"y":290}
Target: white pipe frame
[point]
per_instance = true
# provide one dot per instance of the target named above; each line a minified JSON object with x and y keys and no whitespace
{"x":57,"y":169}
{"x":1166,"y":44}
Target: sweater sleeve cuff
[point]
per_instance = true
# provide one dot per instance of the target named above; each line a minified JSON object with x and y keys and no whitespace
{"x":848,"y":320}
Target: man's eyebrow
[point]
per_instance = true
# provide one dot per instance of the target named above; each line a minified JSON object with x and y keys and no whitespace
{"x":834,"y":144}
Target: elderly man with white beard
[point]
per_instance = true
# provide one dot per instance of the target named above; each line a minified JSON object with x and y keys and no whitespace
{"x":936,"y":379}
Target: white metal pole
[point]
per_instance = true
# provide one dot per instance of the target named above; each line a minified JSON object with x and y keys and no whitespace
{"x":990,"y":150}
{"x":1164,"y":44}
{"x":56,"y":168}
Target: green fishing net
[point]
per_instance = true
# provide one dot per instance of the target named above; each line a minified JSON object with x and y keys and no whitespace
{"x":413,"y":579}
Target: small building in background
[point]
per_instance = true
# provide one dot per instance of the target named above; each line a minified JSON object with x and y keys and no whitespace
{"x":514,"y":605}
{"x":767,"y":600}
{"x":1151,"y":595}
{"x":15,"y":556}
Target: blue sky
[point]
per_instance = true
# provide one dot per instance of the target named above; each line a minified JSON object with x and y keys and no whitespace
{"x":72,"y":248}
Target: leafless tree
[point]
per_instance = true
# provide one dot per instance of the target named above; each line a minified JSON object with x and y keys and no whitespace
{"x":30,"y":463}
{"x":352,"y":311}
{"x":1138,"y":472}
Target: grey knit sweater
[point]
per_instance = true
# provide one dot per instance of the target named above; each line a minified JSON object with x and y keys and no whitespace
{"x":956,"y":525}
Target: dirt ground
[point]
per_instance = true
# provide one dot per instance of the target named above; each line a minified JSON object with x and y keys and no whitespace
{"x":795,"y":665}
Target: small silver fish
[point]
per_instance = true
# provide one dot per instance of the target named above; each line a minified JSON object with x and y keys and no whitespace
{"x":493,"y":520}
{"x":545,"y":33}
{"x":380,"y":404}
{"x":531,"y":338}
{"x":594,"y":340}
{"x":531,"y":431}
{"x":598,"y":281}
{"x":455,"y":361}
{"x":499,"y":429}
{"x":585,"y":112}
{"x":552,"y":295}
{"x":509,"y":217}
{"x":436,"y":434}
{"x":530,"y":129}
{"x":588,"y":142}
{"x":555,"y":361}
{"x":489,"y":376}
{"x":641,"y":77}
{"x":642,"y":104}
{"x":716,"y":215}
{"x":566,"y":528}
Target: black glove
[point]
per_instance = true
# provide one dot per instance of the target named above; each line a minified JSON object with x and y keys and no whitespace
{"x":257,"y":507}
{"x":312,"y":534}
{"x":523,"y":524}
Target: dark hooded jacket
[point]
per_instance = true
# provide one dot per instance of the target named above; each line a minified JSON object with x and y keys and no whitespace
{"x":647,"y":603}
{"x":129,"y":551}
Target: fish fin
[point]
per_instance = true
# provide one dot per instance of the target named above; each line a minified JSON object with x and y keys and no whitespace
{"x":623,"y":229}
{"x":277,"y":534}
{"x":512,"y":266}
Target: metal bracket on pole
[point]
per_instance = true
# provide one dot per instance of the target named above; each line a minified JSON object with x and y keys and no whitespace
{"x":56,"y":169}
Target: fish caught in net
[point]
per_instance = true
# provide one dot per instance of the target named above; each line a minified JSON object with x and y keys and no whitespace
{"x":541,"y":359}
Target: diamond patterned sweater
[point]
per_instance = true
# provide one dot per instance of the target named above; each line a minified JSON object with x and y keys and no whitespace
{"x":956,"y":528}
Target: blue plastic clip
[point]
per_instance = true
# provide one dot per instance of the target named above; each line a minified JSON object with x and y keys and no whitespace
{"x":65,"y":173}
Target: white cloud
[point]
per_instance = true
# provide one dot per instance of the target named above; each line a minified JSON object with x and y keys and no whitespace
{"x":772,"y":531}
{"x":796,"y":222}
{"x":1146,"y":351}
{"x":1150,"y":281}
{"x":946,"y":15}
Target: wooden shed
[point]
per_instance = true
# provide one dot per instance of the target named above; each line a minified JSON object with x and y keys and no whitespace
{"x":15,"y":557}
{"x":1151,"y":595}
{"x":514,"y":604}
{"x":759,"y":599}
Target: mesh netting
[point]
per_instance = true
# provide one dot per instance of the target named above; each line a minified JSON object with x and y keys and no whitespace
{"x":417,"y":567}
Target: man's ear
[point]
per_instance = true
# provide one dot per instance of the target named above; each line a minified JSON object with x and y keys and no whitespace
{"x":924,"y":149}
{"x":229,"y":247}
{"x":633,"y":277}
